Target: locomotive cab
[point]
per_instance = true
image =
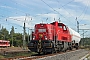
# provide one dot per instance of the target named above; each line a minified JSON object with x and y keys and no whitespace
{"x":42,"y":32}
{"x":42,"y":38}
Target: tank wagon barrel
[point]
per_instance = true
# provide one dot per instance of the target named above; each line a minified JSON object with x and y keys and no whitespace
{"x":75,"y":37}
{"x":53,"y":37}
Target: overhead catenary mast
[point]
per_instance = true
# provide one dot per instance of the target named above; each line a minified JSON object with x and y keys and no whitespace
{"x":77,"y":25}
{"x":59,"y":20}
{"x":0,"y":26}
{"x":24,"y":41}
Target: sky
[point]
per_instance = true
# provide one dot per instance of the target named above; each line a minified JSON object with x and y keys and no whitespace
{"x":16,"y":12}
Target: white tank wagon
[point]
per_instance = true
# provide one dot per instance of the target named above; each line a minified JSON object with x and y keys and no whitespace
{"x":75,"y":37}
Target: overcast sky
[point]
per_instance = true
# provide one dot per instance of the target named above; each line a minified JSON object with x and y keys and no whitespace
{"x":16,"y":12}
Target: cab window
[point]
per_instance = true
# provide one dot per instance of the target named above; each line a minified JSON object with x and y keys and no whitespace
{"x":41,"y":30}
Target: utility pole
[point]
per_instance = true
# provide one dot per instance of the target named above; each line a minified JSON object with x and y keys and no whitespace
{"x":0,"y":26}
{"x":31,"y":30}
{"x":84,"y":31}
{"x":59,"y":20}
{"x":77,"y":25}
{"x":28,"y":35}
{"x":24,"y":42}
{"x":12,"y":32}
{"x":12,"y":39}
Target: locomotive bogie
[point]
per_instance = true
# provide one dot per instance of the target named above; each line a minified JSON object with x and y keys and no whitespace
{"x":40,"y":46}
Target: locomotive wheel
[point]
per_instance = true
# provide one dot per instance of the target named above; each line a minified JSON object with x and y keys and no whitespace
{"x":39,"y":53}
{"x":44,"y":52}
{"x":70,"y":48}
{"x":55,"y":51}
{"x":52,"y":51}
{"x":76,"y":47}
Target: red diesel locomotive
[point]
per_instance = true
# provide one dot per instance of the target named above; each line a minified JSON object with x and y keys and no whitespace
{"x":53,"y":37}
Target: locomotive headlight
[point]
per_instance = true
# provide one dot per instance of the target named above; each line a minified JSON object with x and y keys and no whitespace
{"x":40,"y":35}
{"x":45,"y":38}
{"x":33,"y":37}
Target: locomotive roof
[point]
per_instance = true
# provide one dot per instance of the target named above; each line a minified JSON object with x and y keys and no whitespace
{"x":53,"y":23}
{"x":59,"y":23}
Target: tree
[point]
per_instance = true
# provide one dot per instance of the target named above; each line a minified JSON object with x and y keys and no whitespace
{"x":16,"y":39}
{"x":4,"y":34}
{"x":11,"y":34}
{"x":12,"y":31}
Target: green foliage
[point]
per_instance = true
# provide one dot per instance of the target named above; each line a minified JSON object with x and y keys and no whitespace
{"x":17,"y":54}
{"x":17,"y":38}
{"x":85,"y":42}
{"x":4,"y":34}
{"x":12,"y":30}
{"x":1,"y":56}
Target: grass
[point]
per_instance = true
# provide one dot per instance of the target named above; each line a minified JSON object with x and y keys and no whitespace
{"x":87,"y":56}
{"x":1,"y":57}
{"x":17,"y":54}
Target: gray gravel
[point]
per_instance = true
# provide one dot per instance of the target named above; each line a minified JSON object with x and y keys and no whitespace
{"x":74,"y":55}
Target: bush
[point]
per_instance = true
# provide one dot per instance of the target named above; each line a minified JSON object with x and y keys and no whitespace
{"x":1,"y":56}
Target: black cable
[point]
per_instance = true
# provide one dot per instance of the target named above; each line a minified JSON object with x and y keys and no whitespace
{"x":84,"y":11}
{"x":66,"y":3}
{"x":14,"y":8}
{"x":65,"y":9}
{"x":56,"y":10}
{"x":53,"y":9}
{"x":23,"y":5}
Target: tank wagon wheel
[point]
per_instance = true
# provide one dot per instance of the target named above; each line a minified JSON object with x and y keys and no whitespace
{"x":76,"y":47}
{"x":70,"y":48}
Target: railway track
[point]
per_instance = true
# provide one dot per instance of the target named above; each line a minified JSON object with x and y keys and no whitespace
{"x":47,"y":56}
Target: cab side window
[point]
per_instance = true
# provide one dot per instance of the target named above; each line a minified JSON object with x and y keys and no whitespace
{"x":64,"y":28}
